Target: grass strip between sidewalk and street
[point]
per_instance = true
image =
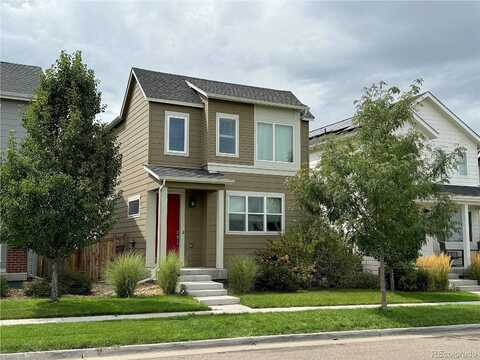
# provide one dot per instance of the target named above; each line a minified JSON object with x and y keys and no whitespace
{"x":95,"y":305}
{"x":349,"y":297}
{"x":186,"y":328}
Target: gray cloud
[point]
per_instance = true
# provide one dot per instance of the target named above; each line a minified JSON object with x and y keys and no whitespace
{"x":325,"y":52}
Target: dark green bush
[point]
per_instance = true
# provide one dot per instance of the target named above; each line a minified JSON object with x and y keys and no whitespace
{"x":74,"y":283}
{"x":3,"y":287}
{"x":286,"y":264}
{"x":38,"y":288}
{"x":359,"y":280}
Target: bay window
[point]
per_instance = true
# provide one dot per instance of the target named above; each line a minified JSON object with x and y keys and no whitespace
{"x":274,"y":142}
{"x":255,"y":212}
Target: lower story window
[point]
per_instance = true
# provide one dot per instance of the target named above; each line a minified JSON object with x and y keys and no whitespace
{"x":255,"y":212}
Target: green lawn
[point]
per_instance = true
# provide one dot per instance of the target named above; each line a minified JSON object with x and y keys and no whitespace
{"x":348,"y":297}
{"x":95,"y":305}
{"x":122,"y":332}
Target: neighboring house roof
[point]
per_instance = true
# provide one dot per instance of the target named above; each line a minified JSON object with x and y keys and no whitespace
{"x":185,"y":175}
{"x":348,"y":125}
{"x":189,"y":91}
{"x":461,"y":190}
{"x":18,"y":81}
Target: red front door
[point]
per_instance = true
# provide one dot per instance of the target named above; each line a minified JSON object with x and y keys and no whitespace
{"x":173,"y":223}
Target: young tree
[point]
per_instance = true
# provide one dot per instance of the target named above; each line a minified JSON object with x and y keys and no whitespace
{"x":380,"y":185}
{"x":57,"y":191}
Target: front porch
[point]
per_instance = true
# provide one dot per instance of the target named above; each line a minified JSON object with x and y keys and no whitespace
{"x":186,"y":216}
{"x":465,"y":241}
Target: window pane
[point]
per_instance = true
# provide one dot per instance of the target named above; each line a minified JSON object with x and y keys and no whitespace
{"x":176,"y":136}
{"x":133,"y":207}
{"x":255,"y":222}
{"x":236,"y":222}
{"x":226,"y":145}
{"x":274,"y":223}
{"x":283,"y":143}
{"x":264,"y":141}
{"x":462,"y":165}
{"x":237,"y":204}
{"x":457,"y":233}
{"x":227,"y":127}
{"x":255,"y":204}
{"x":274,"y":205}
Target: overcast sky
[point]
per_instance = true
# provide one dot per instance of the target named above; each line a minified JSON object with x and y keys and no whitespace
{"x":324,"y":52}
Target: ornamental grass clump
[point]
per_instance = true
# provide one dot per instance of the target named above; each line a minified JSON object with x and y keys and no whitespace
{"x":437,"y":268}
{"x":474,"y":270}
{"x":242,"y":271}
{"x":125,"y":272}
{"x":168,"y":272}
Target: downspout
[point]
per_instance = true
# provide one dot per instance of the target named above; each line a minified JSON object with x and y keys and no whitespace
{"x":153,"y":272}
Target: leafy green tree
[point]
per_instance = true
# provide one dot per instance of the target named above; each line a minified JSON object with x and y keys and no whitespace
{"x":379,"y":186}
{"x":57,"y":191}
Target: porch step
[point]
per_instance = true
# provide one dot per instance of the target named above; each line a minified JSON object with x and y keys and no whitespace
{"x":219,"y":300}
{"x":460,"y":282}
{"x":200,"y":285}
{"x":453,"y":276}
{"x":196,"y":271}
{"x":470,"y":288}
{"x":190,"y":278}
{"x":204,"y":293}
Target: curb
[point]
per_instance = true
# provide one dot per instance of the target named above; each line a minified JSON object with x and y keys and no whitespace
{"x":251,"y":340}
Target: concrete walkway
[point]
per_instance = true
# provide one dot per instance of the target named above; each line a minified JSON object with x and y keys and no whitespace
{"x":215,"y":310}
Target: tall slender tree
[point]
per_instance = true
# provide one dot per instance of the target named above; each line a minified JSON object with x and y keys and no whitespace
{"x":57,"y":190}
{"x":380,"y":185}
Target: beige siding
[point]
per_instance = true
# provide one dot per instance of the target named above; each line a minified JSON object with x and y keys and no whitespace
{"x":133,"y":139}
{"x":246,"y":131}
{"x":304,"y":143}
{"x":157,"y":136}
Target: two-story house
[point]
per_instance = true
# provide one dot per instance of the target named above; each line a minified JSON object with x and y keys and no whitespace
{"x":17,"y":85}
{"x":442,"y":129}
{"x":204,"y":166}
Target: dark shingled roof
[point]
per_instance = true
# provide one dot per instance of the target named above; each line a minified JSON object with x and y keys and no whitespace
{"x":166,"y":86}
{"x":461,"y":190}
{"x":339,"y":127}
{"x":19,"y":80}
{"x":190,"y":175}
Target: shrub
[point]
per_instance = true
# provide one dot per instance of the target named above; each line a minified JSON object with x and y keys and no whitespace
{"x":360,"y":280}
{"x":286,"y":264}
{"x":168,"y":272}
{"x":409,"y":278}
{"x":474,"y":269}
{"x":437,"y":268}
{"x":74,"y":283}
{"x":242,"y":271}
{"x":38,"y":288}
{"x":3,"y":287}
{"x":125,"y":272}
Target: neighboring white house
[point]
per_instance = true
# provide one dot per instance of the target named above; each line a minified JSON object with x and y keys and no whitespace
{"x":443,"y":129}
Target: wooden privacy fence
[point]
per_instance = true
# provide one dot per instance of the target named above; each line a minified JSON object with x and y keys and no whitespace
{"x":91,"y":260}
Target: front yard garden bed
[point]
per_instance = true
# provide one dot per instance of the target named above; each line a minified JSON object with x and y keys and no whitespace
{"x":348,"y":297}
{"x":123,"y":332}
{"x":95,"y":305}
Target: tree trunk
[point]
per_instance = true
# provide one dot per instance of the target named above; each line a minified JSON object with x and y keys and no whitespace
{"x":392,"y":280}
{"x":383,"y":285}
{"x":54,"y":282}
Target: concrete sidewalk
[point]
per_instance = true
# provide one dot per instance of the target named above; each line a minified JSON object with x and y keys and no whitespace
{"x":215,"y":310}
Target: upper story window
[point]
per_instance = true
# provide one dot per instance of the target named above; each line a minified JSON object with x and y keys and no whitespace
{"x":462,"y":165}
{"x":133,"y":206}
{"x":176,"y":133}
{"x":275,"y":142}
{"x":227,"y":135}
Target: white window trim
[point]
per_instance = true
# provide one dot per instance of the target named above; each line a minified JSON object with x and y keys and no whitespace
{"x":185,"y":117}
{"x":247,"y":194}
{"x":133,"y":198}
{"x":237,"y":134}
{"x":460,"y":167}
{"x":274,"y":125}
